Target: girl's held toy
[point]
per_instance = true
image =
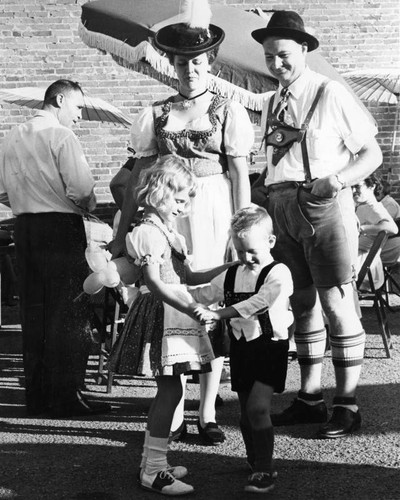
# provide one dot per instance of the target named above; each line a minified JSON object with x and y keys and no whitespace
{"x":107,"y":272}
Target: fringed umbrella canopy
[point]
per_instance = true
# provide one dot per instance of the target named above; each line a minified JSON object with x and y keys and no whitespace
{"x":125,"y":29}
{"x":95,"y":109}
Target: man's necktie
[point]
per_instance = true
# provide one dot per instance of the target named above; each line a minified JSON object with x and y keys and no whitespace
{"x":282,"y":104}
{"x":278,"y":153}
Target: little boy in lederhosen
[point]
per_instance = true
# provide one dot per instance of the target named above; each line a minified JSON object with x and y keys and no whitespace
{"x":256,"y":294}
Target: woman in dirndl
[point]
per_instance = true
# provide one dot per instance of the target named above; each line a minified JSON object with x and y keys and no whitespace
{"x":213,"y":136}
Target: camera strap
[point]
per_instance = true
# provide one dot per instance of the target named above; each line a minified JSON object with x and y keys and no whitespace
{"x":300,"y":134}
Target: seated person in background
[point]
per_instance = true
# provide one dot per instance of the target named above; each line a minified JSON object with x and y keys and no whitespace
{"x":382,"y":193}
{"x":391,"y":251}
{"x":373,"y":218}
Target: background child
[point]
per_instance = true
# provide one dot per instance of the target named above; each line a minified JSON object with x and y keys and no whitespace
{"x":161,"y":337}
{"x":256,"y":294}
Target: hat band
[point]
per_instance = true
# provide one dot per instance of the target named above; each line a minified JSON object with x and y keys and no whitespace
{"x":197,"y":40}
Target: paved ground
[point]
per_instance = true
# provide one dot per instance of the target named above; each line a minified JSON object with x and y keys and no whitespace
{"x":97,"y":459}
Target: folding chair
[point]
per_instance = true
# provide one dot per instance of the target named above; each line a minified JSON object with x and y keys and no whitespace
{"x":391,"y":285}
{"x":375,"y":294}
{"x":390,"y":268}
{"x":108,"y":318}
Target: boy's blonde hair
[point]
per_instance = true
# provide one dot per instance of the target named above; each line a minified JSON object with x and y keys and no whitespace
{"x":158,"y":183}
{"x":246,"y":218}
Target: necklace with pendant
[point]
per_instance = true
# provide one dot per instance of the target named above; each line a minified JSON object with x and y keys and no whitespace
{"x":187,"y":103}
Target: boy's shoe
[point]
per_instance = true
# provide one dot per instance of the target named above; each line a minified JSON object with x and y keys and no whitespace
{"x":164,"y":483}
{"x":260,"y":482}
{"x":301,"y":413}
{"x":342,"y":423}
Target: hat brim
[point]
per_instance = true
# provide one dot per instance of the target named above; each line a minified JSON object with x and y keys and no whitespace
{"x":163,"y":40}
{"x":299,"y":36}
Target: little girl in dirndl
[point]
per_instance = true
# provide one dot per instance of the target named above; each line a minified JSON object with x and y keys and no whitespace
{"x":161,"y":336}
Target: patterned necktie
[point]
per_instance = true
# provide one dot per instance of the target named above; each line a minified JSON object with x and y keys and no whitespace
{"x":278,"y":153}
{"x":282,"y":104}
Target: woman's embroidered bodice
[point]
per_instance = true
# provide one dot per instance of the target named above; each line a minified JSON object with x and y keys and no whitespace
{"x":203,"y":149}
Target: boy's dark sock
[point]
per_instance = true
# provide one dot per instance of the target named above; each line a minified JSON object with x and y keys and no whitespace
{"x":263,"y":445}
{"x":247,"y":435}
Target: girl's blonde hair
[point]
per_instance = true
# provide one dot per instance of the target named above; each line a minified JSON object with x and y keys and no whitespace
{"x":158,"y":183}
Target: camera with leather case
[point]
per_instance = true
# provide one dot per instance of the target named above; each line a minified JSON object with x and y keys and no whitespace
{"x":284,"y":135}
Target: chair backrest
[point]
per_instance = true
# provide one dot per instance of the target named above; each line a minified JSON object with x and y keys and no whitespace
{"x":397,"y":222}
{"x":379,"y":241}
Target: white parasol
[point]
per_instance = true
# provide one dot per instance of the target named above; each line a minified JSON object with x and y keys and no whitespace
{"x":95,"y":109}
{"x":381,"y":86}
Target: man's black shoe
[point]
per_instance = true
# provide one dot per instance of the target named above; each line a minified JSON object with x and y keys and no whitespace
{"x":342,"y":423}
{"x":98,"y":406}
{"x":301,"y":413}
{"x":80,"y":407}
{"x":73,"y":409}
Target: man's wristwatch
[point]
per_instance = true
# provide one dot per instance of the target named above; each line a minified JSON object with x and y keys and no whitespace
{"x":340,"y":180}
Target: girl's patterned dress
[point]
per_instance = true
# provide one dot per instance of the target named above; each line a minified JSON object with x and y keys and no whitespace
{"x":158,"y":339}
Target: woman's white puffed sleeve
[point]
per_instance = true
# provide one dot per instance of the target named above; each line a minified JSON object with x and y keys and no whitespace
{"x":145,"y":244}
{"x":238,"y":131}
{"x":143,"y":136}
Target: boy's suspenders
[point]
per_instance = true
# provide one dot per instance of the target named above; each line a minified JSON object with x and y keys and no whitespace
{"x":232,"y":297}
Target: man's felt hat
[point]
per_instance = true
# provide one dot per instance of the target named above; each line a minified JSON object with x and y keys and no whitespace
{"x":286,"y":24}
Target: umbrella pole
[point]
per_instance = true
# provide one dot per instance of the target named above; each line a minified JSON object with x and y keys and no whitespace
{"x":396,"y":121}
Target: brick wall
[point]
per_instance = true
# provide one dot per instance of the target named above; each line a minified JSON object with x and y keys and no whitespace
{"x":40,"y":44}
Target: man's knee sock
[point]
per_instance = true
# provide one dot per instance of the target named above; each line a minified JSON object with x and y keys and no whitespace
{"x":310,"y":399}
{"x":346,"y":402}
{"x":348,"y":351}
{"x":310,"y":347}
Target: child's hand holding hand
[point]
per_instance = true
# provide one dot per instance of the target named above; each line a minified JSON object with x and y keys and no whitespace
{"x":204,"y":315}
{"x":195,"y":310}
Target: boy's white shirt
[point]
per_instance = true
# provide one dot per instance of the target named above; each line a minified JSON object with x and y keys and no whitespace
{"x":273,"y":296}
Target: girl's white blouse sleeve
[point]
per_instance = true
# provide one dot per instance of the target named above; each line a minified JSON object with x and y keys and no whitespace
{"x":145,"y":244}
{"x":238,"y":131}
{"x":143,"y":135}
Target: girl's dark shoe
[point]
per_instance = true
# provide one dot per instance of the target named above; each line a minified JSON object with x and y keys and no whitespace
{"x":211,"y":433}
{"x":180,"y":433}
{"x":219,"y":401}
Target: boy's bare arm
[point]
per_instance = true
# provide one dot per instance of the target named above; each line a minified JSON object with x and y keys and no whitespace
{"x":205,"y":315}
